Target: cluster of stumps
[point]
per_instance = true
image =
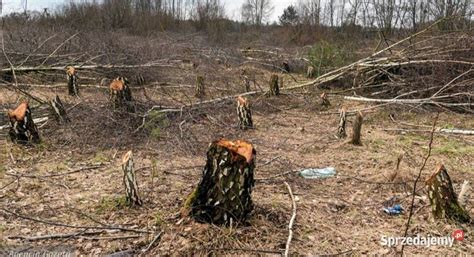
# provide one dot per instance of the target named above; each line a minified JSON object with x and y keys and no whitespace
{"x":223,"y":195}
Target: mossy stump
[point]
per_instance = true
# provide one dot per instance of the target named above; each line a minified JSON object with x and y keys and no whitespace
{"x":244,"y":113}
{"x":443,"y":199}
{"x":129,"y":180}
{"x":121,"y":95}
{"x":22,"y":127}
{"x":223,"y":195}
{"x":274,"y":85}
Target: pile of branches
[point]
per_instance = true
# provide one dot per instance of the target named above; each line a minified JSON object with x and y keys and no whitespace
{"x":433,"y":70}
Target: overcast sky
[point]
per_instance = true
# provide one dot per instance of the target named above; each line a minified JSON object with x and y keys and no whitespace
{"x":232,"y":6}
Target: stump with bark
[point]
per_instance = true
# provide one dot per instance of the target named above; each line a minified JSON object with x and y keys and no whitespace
{"x":131,"y":187}
{"x":443,"y":199}
{"x":286,"y":66}
{"x":22,"y":127}
{"x":121,"y":95}
{"x":357,"y":129}
{"x":274,"y":86}
{"x":341,"y":129}
{"x":200,"y":92}
{"x":324,"y":100}
{"x":247,"y":83}
{"x":223,"y":195}
{"x":310,"y":72}
{"x":58,"y":110}
{"x":244,"y":113}
{"x":72,"y":84}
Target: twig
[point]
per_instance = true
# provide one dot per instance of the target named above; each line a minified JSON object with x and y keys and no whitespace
{"x":292,"y":220}
{"x":418,"y":178}
{"x":55,"y":236}
{"x":108,"y":227}
{"x":158,"y":236}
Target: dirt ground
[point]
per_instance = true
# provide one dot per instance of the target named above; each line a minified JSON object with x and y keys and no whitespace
{"x":72,"y":181}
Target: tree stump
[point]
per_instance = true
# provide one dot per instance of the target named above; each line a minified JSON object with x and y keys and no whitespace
{"x":274,"y":87}
{"x":443,"y":199}
{"x":200,"y":86}
{"x":58,"y":110}
{"x":341,"y":129}
{"x":223,"y":195}
{"x":244,"y":113}
{"x":22,"y":127}
{"x":324,"y":100}
{"x":139,"y":79}
{"x":121,"y":95}
{"x":310,"y":72}
{"x":72,"y":81}
{"x":357,"y":129}
{"x":247,"y":83}
{"x":130,"y":182}
{"x":286,"y":66}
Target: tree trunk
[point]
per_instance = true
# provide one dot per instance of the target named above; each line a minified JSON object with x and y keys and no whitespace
{"x":59,"y":111}
{"x":121,"y":95}
{"x":244,"y":113}
{"x":357,"y":129}
{"x":72,"y":81}
{"x":324,"y":100}
{"x":131,"y":186}
{"x":443,"y":200}
{"x":274,"y":87}
{"x":22,"y":127}
{"x":310,"y":72}
{"x":223,"y":195}
{"x":341,"y":129}
{"x":200,"y":87}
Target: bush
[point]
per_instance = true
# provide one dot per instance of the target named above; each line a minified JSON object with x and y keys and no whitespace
{"x":325,"y":56}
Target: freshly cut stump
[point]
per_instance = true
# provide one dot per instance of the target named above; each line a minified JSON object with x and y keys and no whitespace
{"x":324,"y":100}
{"x":22,"y":127}
{"x":131,"y":187}
{"x":341,"y":129}
{"x":200,"y":86}
{"x":357,"y":129}
{"x":443,"y":199}
{"x":244,"y":113}
{"x":58,"y":110}
{"x":274,"y":86}
{"x":223,"y":195}
{"x":72,"y":81}
{"x":121,"y":95}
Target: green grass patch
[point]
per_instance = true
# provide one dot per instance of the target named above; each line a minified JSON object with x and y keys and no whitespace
{"x":155,"y":123}
{"x":107,"y":204}
{"x":454,"y":147}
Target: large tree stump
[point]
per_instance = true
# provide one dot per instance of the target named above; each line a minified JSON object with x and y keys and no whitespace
{"x":223,"y":195}
{"x":200,"y":92}
{"x":443,"y":199}
{"x":72,"y":81}
{"x":131,"y":187}
{"x":121,"y":95}
{"x":357,"y":129}
{"x":274,"y":86}
{"x":341,"y":129}
{"x":58,"y":110}
{"x":310,"y":72}
{"x":22,"y":127}
{"x":244,"y":113}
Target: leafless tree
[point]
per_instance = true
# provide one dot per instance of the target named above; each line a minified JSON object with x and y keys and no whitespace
{"x":256,"y":12}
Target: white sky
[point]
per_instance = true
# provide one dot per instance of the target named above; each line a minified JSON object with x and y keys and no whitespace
{"x":232,"y":6}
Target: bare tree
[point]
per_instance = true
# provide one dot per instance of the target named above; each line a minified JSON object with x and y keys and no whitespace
{"x":256,"y":12}
{"x":309,"y":11}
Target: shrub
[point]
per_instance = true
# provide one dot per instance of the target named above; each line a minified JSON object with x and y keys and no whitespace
{"x":325,"y":56}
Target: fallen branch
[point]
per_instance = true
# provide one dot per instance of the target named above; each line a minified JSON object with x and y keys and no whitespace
{"x":292,"y":220}
{"x":158,"y":236}
{"x":404,"y":101}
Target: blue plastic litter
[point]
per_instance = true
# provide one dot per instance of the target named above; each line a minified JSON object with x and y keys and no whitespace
{"x":395,"y":210}
{"x":318,"y":173}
